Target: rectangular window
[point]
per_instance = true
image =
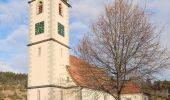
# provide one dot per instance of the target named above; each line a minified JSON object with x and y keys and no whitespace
{"x":61,"y":29}
{"x":61,"y":93}
{"x":39,"y":51}
{"x":38,"y":94}
{"x":61,"y":52}
{"x":128,"y":98}
{"x":39,"y":28}
{"x":105,"y":97}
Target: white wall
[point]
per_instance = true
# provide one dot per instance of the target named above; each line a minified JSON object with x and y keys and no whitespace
{"x":89,"y":94}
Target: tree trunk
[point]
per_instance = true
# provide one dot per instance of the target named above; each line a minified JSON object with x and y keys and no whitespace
{"x":118,"y":96}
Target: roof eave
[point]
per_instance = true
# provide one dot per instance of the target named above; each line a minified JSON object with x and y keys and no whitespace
{"x":65,"y":2}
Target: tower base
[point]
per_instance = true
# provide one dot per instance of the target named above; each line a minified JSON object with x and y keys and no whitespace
{"x":54,"y":93}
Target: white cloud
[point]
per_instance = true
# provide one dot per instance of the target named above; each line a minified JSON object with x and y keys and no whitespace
{"x":6,"y":68}
{"x":161,"y":18}
{"x":12,"y":12}
{"x":77,"y":25}
{"x":89,"y":9}
{"x":19,"y":62}
{"x":14,"y":31}
{"x":84,"y":12}
{"x":15,"y":41}
{"x":14,"y":45}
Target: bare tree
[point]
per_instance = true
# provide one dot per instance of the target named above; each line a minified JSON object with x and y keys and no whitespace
{"x":123,"y":41}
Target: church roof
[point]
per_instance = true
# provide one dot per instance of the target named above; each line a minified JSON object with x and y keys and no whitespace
{"x":95,"y":78}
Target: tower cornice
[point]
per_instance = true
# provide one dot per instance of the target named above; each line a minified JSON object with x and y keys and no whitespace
{"x":64,"y":1}
{"x":31,"y":1}
{"x":50,"y":39}
{"x":55,"y":86}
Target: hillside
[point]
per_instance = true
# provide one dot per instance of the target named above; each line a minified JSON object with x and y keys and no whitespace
{"x":12,"y":86}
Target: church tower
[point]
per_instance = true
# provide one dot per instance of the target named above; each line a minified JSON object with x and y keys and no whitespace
{"x":48,"y":78}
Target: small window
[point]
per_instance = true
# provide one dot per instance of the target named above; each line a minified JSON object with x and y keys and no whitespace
{"x":39,"y":51}
{"x":68,"y":79}
{"x":105,"y":97}
{"x":61,"y":29}
{"x":60,"y":10}
{"x":38,"y":94}
{"x":40,"y":7}
{"x":39,"y":28}
{"x":168,"y":90}
{"x":62,"y":94}
{"x":128,"y":99}
{"x":61,"y":52}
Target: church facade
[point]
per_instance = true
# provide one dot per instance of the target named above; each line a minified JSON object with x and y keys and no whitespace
{"x":52,"y":71}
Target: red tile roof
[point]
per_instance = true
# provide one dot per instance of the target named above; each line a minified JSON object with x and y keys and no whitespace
{"x":96,"y":78}
{"x":131,"y":87}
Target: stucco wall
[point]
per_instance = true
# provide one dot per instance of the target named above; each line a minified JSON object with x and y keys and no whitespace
{"x":89,"y":94}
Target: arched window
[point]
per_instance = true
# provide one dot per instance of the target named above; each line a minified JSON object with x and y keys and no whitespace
{"x":60,"y":10}
{"x":40,"y":7}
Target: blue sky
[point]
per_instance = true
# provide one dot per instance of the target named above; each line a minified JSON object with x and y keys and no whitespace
{"x":14,"y":27}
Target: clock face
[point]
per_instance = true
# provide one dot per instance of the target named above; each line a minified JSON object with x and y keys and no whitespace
{"x":39,"y":28}
{"x":61,"y":29}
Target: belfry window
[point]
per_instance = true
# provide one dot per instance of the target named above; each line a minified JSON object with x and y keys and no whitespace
{"x":40,"y":7}
{"x":60,"y":10}
{"x":61,"y":29}
{"x":39,"y":28}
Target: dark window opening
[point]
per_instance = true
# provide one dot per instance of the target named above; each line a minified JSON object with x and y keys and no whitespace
{"x":60,"y":10}
{"x":40,"y":7}
{"x":61,"y":29}
{"x":39,"y":28}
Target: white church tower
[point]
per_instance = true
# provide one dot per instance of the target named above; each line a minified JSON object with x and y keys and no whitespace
{"x":48,"y":78}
